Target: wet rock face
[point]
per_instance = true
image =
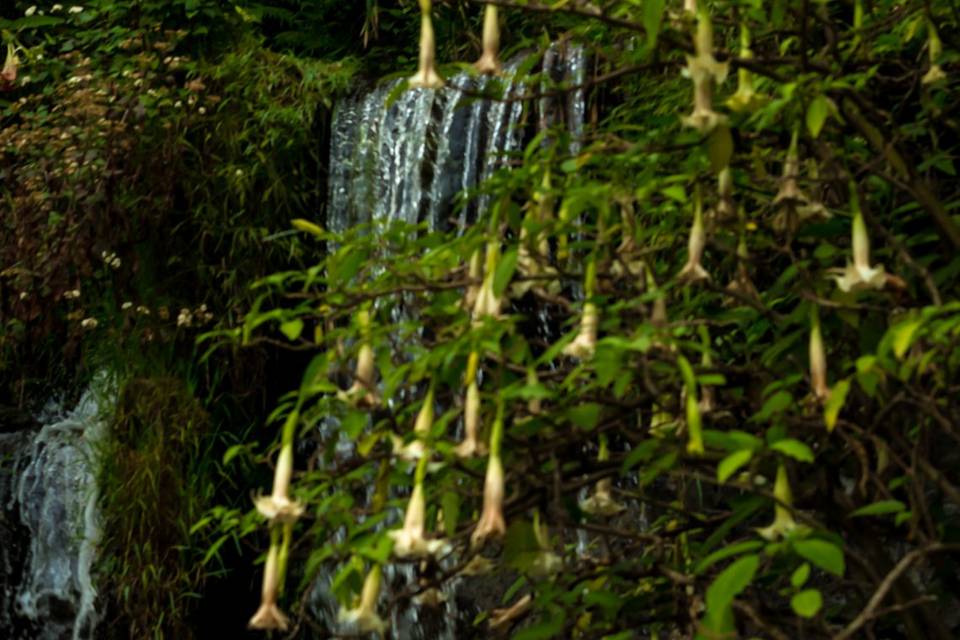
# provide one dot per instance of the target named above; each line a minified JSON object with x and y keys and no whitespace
{"x":16,"y":432}
{"x":49,"y":524}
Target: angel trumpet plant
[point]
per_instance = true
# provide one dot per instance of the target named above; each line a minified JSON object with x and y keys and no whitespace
{"x":818,"y":359}
{"x":421,"y":430}
{"x":783,"y":521}
{"x":488,"y":303}
{"x":860,"y":275}
{"x":491,"y":523}
{"x":471,"y":444}
{"x":694,"y":425}
{"x":693,"y":270}
{"x":10,"y":65}
{"x":745,"y":99}
{"x":934,"y":49}
{"x":409,"y":542}
{"x":703,"y":69}
{"x":364,"y":617}
{"x":363,"y":392}
{"x":489,"y":63}
{"x":426,"y":76}
{"x":601,"y":503}
{"x":585,"y":343}
{"x":268,"y":616}
{"x":278,"y":507}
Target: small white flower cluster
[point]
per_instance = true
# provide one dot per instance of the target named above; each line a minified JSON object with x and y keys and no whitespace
{"x":200,"y":315}
{"x":75,"y":9}
{"x":72,"y":294}
{"x":89,"y":323}
{"x":111,"y":259}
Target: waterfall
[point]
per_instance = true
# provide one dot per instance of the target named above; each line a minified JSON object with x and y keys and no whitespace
{"x":406,"y":155}
{"x":49,"y":500}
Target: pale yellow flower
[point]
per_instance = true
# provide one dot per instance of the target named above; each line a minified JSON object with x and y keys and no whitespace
{"x":268,"y":616}
{"x":489,"y":63}
{"x":364,"y":617}
{"x":426,"y":76}
{"x":783,"y":521}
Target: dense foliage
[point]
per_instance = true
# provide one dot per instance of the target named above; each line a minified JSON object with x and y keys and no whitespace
{"x":711,"y":357}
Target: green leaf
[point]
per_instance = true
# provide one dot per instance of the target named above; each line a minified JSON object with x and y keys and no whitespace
{"x":800,"y":576}
{"x":720,"y":148}
{"x":777,"y":403}
{"x":825,"y":555}
{"x":504,"y":272}
{"x":731,"y":582}
{"x":883,"y":507}
{"x":903,"y":335}
{"x":726,"y":552}
{"x":652,"y":18}
{"x":729,"y":465}
{"x":817,"y":114}
{"x":586,"y":415}
{"x":807,"y":603}
{"x":292,"y":328}
{"x":793,"y":448}
{"x":450,"y":502}
{"x":838,"y":396}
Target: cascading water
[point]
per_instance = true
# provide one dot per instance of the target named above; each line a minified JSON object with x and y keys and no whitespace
{"x":407,"y":159}
{"x":49,"y":505}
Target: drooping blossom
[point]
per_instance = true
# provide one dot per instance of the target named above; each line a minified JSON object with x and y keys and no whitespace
{"x":364,"y":617}
{"x":859,"y":275}
{"x":489,"y":63}
{"x":783,"y":521}
{"x":696,"y":243}
{"x":818,"y":359}
{"x":426,"y":76}
{"x":492,"y":523}
{"x":471,"y":444}
{"x":602,"y":502}
{"x":268,"y":616}
{"x":410,"y":541}
{"x":584,"y":345}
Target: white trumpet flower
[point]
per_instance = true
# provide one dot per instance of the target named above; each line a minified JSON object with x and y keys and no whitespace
{"x":697,"y":242}
{"x":859,"y":275}
{"x":410,"y":542}
{"x":426,"y":76}
{"x":489,"y":64}
{"x":783,"y":521}
{"x":364,"y":617}
{"x":269,"y":617}
{"x":492,"y":523}
{"x":471,"y":444}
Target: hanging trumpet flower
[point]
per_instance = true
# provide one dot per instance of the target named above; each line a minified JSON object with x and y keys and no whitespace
{"x":364,"y":617}
{"x":363,"y":392}
{"x":268,"y":616}
{"x":694,"y":426}
{"x":10,"y":66}
{"x":475,"y":273}
{"x":934,"y":50}
{"x":426,"y":76}
{"x":488,"y":303}
{"x":783,"y":521}
{"x":409,"y":542}
{"x":745,"y":99}
{"x":546,"y":563}
{"x":529,"y":262}
{"x":489,"y":64}
{"x":471,"y":444}
{"x":421,"y":430}
{"x":706,"y":404}
{"x":818,"y":358}
{"x":703,"y":69}
{"x":585,"y":343}
{"x":859,"y":275}
{"x":602,"y":503}
{"x":741,"y":283}
{"x":693,"y":270}
{"x":795,"y":205}
{"x":491,"y":523}
{"x":725,"y":208}
{"x":278,"y":507}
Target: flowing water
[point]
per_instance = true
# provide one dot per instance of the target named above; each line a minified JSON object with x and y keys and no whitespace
{"x":49,"y":502}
